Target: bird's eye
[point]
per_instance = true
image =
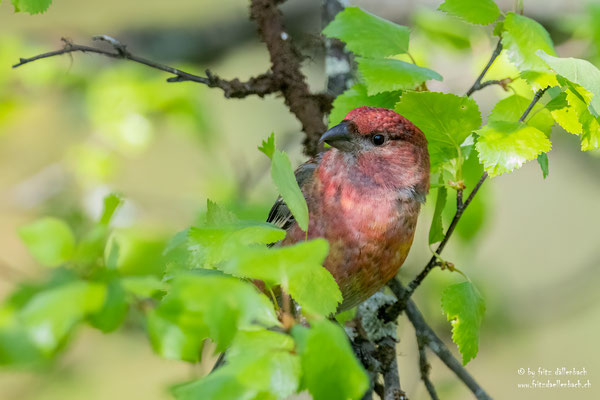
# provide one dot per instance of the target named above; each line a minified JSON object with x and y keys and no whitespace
{"x":378,"y":140}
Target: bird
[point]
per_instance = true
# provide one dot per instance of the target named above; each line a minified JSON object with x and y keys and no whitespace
{"x":364,"y":194}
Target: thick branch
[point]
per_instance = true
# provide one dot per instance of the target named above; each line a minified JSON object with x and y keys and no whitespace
{"x":260,"y":85}
{"x":285,"y":64}
{"x":429,"y":338}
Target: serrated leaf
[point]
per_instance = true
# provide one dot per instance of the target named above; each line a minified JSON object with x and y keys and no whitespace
{"x":357,"y":96}
{"x":521,"y":38}
{"x":481,"y":12}
{"x":268,"y":146}
{"x":298,"y":269}
{"x":338,"y":375}
{"x":539,"y":80}
{"x":445,"y":119}
{"x":386,"y":75}
{"x":217,"y":215}
{"x":368,"y":35}
{"x":578,"y":71}
{"x":50,"y":315}
{"x":512,"y":107}
{"x":436,"y":231}
{"x":49,"y":240}
{"x":504,"y":146}
{"x":31,"y":6}
{"x":464,"y":307}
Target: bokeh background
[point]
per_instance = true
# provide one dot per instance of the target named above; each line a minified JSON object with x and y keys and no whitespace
{"x":73,"y":129}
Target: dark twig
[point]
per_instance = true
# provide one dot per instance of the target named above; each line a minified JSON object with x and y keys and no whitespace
{"x":431,"y":340}
{"x":478,"y":85}
{"x":260,"y":85}
{"x":424,"y":367}
{"x":386,"y":354}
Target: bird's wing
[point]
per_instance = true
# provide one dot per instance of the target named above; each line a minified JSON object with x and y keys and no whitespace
{"x":280,"y":215}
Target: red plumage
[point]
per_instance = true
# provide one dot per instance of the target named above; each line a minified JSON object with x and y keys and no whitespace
{"x":363,"y":196}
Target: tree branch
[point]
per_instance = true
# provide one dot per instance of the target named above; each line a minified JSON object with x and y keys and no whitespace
{"x":260,"y":85}
{"x":429,"y":338}
{"x":310,"y":109}
{"x":424,"y":367}
{"x":478,"y":85}
{"x":339,"y":66}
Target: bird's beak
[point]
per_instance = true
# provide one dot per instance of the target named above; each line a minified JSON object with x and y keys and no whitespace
{"x":339,"y":137}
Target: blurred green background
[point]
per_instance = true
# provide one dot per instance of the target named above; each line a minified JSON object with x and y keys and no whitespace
{"x":73,"y":129}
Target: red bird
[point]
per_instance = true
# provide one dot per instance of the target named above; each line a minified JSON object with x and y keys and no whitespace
{"x":363,"y":196}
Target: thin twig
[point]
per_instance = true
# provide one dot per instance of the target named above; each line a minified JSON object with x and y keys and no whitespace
{"x":436,"y":345}
{"x":261,"y":85}
{"x":425,"y":367}
{"x":478,"y":85}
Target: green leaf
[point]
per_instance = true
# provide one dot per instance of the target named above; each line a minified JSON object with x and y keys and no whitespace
{"x":581,"y":72}
{"x":504,"y":146}
{"x":445,"y":119}
{"x":368,"y":35}
{"x":444,"y":30}
{"x":268,"y":146}
{"x":329,"y":369}
{"x":464,"y":307}
{"x":111,"y":203}
{"x":558,"y":102}
{"x":357,"y":96}
{"x":476,"y":11}
{"x":258,"y":362}
{"x":217,"y":215}
{"x":512,"y":107}
{"x":436,"y":232}
{"x":31,"y":6}
{"x":542,"y":159}
{"x":215,"y":244}
{"x":113,"y":312}
{"x":143,"y":286}
{"x":216,"y":306}
{"x":49,"y":240}
{"x":50,"y":315}
{"x":170,"y":341}
{"x":298,"y":269}
{"x":285,"y":180}
{"x":386,"y":75}
{"x":521,"y":38}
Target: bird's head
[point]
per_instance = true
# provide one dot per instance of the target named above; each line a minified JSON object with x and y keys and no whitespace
{"x":384,"y":145}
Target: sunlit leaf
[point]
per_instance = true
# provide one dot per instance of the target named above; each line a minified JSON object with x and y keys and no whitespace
{"x":504,"y":146}
{"x":521,"y":38}
{"x":436,"y":231}
{"x":31,"y":6}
